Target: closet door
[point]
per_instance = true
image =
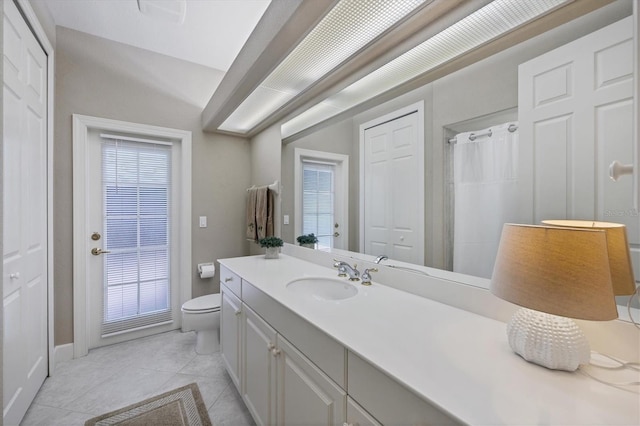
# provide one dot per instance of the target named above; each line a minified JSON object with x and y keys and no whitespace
{"x":24,"y":171}
{"x":393,"y":185}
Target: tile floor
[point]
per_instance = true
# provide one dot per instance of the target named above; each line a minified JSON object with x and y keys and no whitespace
{"x":115,"y":376}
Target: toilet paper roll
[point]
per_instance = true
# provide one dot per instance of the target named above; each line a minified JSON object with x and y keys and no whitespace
{"x":206,"y":270}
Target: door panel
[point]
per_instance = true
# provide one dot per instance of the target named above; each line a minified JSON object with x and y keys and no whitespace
{"x":230,"y":333}
{"x":25,"y":282}
{"x":307,"y":395}
{"x":393,"y":219}
{"x":132,"y":269}
{"x":576,"y":118}
{"x":259,"y":378}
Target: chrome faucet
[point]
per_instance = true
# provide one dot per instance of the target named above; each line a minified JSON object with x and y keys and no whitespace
{"x":380,"y":259}
{"x":344,"y":269}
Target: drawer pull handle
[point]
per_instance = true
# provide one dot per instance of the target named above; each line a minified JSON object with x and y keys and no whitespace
{"x":226,"y":280}
{"x":14,"y":276}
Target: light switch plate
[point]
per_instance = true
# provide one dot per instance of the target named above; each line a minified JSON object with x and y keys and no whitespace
{"x":285,"y":220}
{"x":203,"y":221}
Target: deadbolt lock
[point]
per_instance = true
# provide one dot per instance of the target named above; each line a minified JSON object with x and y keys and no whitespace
{"x":95,"y":236}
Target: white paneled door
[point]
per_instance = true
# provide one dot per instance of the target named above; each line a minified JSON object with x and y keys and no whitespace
{"x":576,"y":118}
{"x":24,"y":168}
{"x":393,"y":183}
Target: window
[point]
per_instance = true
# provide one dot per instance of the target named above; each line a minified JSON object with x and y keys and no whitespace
{"x":136,"y":190}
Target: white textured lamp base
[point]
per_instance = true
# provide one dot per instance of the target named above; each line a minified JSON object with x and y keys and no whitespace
{"x":548,"y":340}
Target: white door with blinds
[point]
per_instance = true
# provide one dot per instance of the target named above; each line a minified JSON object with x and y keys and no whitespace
{"x":132,"y":262}
{"x":318,"y":201}
{"x":321,"y":202}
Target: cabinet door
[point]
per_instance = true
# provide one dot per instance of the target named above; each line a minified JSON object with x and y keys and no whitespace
{"x":306,"y":396}
{"x":358,"y":416}
{"x":258,"y":366}
{"x":230,"y":308}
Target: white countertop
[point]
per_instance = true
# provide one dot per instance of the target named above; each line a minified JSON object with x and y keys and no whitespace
{"x":456,"y":360}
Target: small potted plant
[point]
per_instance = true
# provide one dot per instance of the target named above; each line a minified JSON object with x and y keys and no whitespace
{"x":272,"y":246}
{"x":308,"y":240}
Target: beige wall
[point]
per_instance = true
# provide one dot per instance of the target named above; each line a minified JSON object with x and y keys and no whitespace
{"x":105,"y":79}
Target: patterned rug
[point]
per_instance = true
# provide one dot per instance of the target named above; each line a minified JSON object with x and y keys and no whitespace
{"x":182,"y":406}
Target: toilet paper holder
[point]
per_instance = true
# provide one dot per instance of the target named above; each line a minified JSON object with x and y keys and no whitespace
{"x":206,"y":270}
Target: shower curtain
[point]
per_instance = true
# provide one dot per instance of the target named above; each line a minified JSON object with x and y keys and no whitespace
{"x":485,"y":196}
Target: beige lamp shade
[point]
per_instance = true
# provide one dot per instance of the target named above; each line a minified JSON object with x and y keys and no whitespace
{"x":618,"y":247}
{"x":558,"y":270}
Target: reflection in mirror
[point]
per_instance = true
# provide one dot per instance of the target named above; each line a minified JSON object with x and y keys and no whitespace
{"x":485,"y":95}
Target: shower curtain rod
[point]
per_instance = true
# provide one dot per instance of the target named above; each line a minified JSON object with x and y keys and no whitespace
{"x":473,"y":136}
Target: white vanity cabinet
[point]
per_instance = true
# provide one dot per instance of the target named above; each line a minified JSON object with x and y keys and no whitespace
{"x":290,"y":372}
{"x":306,"y":361}
{"x":282,"y":386}
{"x":230,"y":332}
{"x":278,"y":383}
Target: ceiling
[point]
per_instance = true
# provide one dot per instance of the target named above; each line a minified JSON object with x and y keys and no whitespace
{"x":249,"y":39}
{"x":212,"y":34}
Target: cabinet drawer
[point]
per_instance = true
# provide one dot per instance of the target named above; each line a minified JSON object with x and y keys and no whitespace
{"x":321,"y":349}
{"x":387,"y":400}
{"x":231,"y":281}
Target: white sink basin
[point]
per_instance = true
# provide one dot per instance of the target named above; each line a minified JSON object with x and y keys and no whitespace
{"x":322,"y":288}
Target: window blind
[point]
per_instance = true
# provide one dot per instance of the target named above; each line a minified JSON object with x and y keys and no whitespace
{"x":136,"y":190}
{"x":318,"y":201}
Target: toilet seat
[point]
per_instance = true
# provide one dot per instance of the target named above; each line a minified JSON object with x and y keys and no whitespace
{"x":203,"y":304}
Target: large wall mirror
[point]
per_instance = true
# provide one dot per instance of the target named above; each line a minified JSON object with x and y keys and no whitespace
{"x":484,"y":95}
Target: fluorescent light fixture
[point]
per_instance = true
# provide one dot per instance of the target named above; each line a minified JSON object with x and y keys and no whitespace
{"x":347,"y":28}
{"x":482,"y":26}
{"x":172,"y":11}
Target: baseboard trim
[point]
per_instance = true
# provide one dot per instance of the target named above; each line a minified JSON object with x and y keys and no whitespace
{"x":61,"y":354}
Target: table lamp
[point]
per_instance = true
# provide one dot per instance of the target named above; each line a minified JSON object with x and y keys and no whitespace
{"x":618,"y":247}
{"x":555,"y":274}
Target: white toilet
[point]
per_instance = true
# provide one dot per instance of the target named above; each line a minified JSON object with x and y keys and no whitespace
{"x":202,"y":315}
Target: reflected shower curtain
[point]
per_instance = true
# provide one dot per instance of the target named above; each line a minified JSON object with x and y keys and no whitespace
{"x":485,"y":196}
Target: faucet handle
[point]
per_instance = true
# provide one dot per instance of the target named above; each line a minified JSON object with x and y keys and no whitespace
{"x":366,"y":275}
{"x":342,"y":271}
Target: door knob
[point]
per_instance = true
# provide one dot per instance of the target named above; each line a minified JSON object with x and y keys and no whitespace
{"x":617,"y":169}
{"x":336,"y":234}
{"x":97,"y":251}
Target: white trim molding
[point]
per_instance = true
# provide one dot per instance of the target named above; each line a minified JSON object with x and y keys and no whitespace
{"x":81,"y":126}
{"x":61,"y":353}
